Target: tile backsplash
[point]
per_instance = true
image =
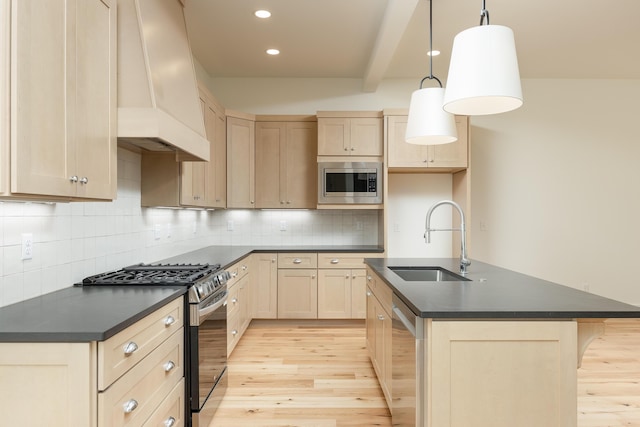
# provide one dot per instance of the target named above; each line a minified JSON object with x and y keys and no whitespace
{"x":75,"y":240}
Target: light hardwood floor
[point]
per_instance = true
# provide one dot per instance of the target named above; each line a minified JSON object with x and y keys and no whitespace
{"x":316,"y":374}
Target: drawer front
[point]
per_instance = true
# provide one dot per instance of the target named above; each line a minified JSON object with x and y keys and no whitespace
{"x":232,"y":300}
{"x":298,"y":260}
{"x":132,"y":399}
{"x":124,"y":350}
{"x":343,"y":260}
{"x":381,"y":290}
{"x":170,"y":413}
{"x":233,"y":331}
{"x":238,"y":270}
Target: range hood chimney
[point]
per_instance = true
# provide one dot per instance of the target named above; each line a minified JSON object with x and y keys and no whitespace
{"x":158,"y":102}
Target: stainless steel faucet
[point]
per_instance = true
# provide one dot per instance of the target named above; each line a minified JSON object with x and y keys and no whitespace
{"x":464,"y":261}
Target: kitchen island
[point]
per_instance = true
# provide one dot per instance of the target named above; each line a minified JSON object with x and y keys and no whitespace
{"x":499,"y":349}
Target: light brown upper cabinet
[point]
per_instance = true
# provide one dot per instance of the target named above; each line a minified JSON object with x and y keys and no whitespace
{"x":58,"y":103}
{"x":168,"y":183}
{"x":436,"y":158}
{"x":240,"y":160}
{"x":286,"y":169}
{"x":350,"y":133}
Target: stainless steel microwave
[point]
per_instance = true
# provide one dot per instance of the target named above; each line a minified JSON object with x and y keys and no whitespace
{"x":349,"y":183}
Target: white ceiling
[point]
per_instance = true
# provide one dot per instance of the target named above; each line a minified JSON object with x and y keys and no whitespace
{"x":383,"y":39}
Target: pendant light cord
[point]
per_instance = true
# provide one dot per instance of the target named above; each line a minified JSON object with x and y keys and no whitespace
{"x":431,"y":76}
{"x":484,"y":13}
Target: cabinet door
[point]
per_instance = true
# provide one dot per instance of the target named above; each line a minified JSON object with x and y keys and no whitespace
{"x":401,"y":153}
{"x":266,"y":286}
{"x":94,"y":119}
{"x":358,"y":294}
{"x":453,"y":155}
{"x":334,"y":294}
{"x":5,"y":124}
{"x":366,"y":137}
{"x":300,"y":177}
{"x":333,"y":136}
{"x":371,"y":324}
{"x":240,"y":163}
{"x":270,"y":155}
{"x":297,"y":294}
{"x":42,"y":80}
{"x":218,"y":176}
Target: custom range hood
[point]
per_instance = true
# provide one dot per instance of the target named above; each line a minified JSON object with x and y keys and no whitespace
{"x":158,"y":102}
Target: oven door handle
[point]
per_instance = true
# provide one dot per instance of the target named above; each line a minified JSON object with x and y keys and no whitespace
{"x":205,"y":311}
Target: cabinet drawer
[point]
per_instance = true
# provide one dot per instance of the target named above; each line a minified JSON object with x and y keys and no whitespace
{"x":237,"y":271}
{"x":144,"y":336}
{"x":170,"y":410}
{"x":233,"y":331}
{"x":298,"y":260}
{"x":344,"y":260}
{"x":144,"y":387}
{"x":381,"y":290}
{"x":232,"y":300}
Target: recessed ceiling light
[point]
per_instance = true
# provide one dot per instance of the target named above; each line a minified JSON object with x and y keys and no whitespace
{"x":262,"y":14}
{"x":433,"y":53}
{"x":273,"y":51}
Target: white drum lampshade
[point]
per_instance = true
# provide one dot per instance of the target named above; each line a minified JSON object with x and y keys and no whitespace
{"x":428,"y":123}
{"x":483,"y":73}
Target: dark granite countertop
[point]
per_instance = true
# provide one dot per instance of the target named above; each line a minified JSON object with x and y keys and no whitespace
{"x":494,"y":292}
{"x":82,"y":314}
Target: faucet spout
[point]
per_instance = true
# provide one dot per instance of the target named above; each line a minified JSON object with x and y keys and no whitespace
{"x":464,"y":261}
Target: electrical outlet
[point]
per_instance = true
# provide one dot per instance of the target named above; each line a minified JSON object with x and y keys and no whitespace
{"x":283,"y":225}
{"x":359,"y":226}
{"x":396,"y":227}
{"x":27,"y":246}
{"x":194,"y":227}
{"x":230,"y":225}
{"x":156,"y":231}
{"x":168,"y":230}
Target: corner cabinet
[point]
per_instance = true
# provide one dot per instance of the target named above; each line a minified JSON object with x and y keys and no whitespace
{"x":427,"y":158}
{"x":286,"y":169}
{"x":241,"y":186}
{"x":169,"y":183}
{"x":61,"y":114}
{"x":134,"y":378}
{"x":350,"y":133}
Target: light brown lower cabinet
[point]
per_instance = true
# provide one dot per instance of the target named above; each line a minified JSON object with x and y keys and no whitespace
{"x":378,"y":334}
{"x":341,"y":294}
{"x":97,"y":384}
{"x":297,"y":293}
{"x":265,"y":285}
{"x":239,"y":301}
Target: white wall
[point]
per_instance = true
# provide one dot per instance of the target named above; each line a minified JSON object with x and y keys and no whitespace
{"x":557,"y":185}
{"x":75,"y":240}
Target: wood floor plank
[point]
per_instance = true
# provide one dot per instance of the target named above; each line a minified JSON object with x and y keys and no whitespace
{"x":318,"y":374}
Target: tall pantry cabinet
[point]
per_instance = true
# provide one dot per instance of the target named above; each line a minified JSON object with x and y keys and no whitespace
{"x":58,"y":99}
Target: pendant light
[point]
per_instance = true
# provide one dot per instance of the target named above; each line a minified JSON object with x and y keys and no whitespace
{"x":483,"y":73}
{"x":428,"y":123}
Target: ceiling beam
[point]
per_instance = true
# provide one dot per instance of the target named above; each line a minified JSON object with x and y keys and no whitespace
{"x":395,"y":21}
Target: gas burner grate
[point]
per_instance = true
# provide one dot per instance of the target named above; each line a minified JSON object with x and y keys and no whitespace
{"x":153,"y":274}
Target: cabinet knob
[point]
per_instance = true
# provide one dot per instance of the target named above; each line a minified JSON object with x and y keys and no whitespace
{"x":234,"y":274}
{"x":130,"y":348}
{"x":234,"y":332}
{"x":244,"y":268}
{"x":288,"y":202}
{"x":352,"y":149}
{"x":313,"y":276}
{"x":73,"y":178}
{"x":282,"y":202}
{"x":273,"y":260}
{"x":369,"y":278}
{"x":335,"y":261}
{"x":234,"y":300}
{"x":169,"y":366}
{"x":346,"y":149}
{"x":84,"y":180}
{"x":380,"y":317}
{"x":252,"y":202}
{"x":353,"y":277}
{"x":425,"y":161}
{"x":170,"y":320}
{"x":346,"y":277}
{"x":130,"y":406}
{"x":169,"y":422}
{"x":369,"y":294}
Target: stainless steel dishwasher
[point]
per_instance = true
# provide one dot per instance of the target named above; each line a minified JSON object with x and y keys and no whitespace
{"x":407,"y":367}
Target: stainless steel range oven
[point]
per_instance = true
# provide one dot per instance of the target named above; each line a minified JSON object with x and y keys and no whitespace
{"x":206,"y":337}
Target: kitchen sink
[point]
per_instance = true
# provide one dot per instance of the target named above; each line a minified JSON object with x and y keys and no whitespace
{"x":427,"y":274}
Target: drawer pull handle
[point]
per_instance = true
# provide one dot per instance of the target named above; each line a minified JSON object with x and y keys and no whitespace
{"x":130,"y":406}
{"x":170,"y":320}
{"x":335,"y":261}
{"x":130,"y":348}
{"x":297,"y":261}
{"x":169,"y":422}
{"x":169,"y":366}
